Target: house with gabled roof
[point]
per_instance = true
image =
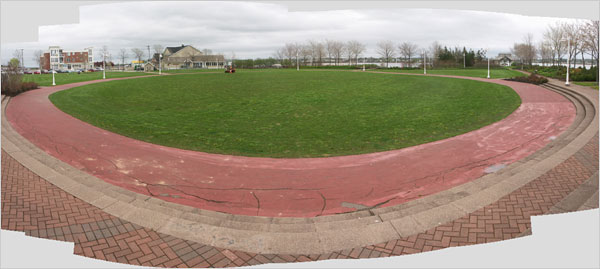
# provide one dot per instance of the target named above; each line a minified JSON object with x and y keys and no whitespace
{"x":504,"y":59}
{"x":186,"y":56}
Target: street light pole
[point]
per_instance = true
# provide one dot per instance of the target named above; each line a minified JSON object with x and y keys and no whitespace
{"x":568,"y":60}
{"x":488,"y":76}
{"x":424,"y":63}
{"x":297,"y":63}
{"x":159,"y":65}
{"x":363,"y":63}
{"x":103,"y":65}
{"x":464,"y":60}
{"x":53,"y":81}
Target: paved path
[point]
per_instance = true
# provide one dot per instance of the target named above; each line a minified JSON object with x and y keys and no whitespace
{"x":561,"y":177}
{"x":291,"y":187}
{"x":40,"y":209}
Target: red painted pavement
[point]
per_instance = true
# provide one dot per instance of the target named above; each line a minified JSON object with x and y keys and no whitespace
{"x":304,"y":187}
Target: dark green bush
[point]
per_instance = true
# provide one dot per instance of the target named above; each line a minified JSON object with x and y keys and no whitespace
{"x":560,"y":72}
{"x":533,"y":79}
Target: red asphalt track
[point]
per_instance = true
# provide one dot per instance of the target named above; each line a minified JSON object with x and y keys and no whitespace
{"x":304,"y":187}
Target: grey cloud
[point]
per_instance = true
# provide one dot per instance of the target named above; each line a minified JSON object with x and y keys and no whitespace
{"x":257,"y":29}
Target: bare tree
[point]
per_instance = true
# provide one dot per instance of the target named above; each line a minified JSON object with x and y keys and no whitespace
{"x":158,"y":48}
{"x":337,"y":50}
{"x":290,"y":51}
{"x":545,"y":52}
{"x":435,"y":49}
{"x":18,"y":54}
{"x":139,"y":53}
{"x":555,"y":36}
{"x":591,"y":40}
{"x":123,"y":55}
{"x":105,"y":54}
{"x":355,"y":49}
{"x":305,"y":53}
{"x":386,"y":50}
{"x":529,"y":49}
{"x":329,"y":49}
{"x":407,"y":50}
{"x":37,"y":57}
{"x":525,"y":51}
{"x":279,"y":55}
{"x":572,"y":34}
{"x":207,"y":52}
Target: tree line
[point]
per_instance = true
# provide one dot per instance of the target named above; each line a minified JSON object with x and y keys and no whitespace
{"x":333,"y":52}
{"x":554,"y":49}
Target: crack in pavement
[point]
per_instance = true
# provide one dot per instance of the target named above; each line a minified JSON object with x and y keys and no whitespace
{"x":257,"y":202}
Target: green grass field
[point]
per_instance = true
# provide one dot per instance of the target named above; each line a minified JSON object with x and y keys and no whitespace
{"x":176,"y":71}
{"x":66,"y":78}
{"x":288,"y":113}
{"x":592,"y":84}
{"x":478,"y":73}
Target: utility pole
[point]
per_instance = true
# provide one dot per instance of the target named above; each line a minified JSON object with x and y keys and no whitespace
{"x":149,"y":56}
{"x":22,"y":61}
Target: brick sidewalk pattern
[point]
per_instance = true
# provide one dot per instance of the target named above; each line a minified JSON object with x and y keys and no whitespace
{"x":40,"y":209}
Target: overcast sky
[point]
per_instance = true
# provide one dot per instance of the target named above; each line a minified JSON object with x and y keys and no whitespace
{"x":257,"y":29}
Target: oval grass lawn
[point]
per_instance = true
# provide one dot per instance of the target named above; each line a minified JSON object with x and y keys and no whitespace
{"x":287,"y":113}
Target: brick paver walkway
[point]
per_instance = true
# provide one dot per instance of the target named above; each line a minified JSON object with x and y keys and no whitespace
{"x":40,"y":209}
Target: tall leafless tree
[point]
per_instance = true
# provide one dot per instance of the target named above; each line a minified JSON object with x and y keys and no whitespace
{"x":279,"y":54}
{"x":305,"y":53}
{"x":139,"y":54}
{"x":207,"y":52}
{"x":317,"y":51}
{"x":572,"y":34}
{"x":545,"y":51}
{"x":435,"y":50}
{"x":290,"y":51}
{"x":555,"y":36}
{"x":355,"y":49}
{"x":335,"y":49}
{"x":105,"y":55}
{"x":123,"y":55}
{"x":37,"y":57}
{"x":408,"y":49}
{"x":385,"y":49}
{"x":529,"y":50}
{"x":158,"y":48}
{"x":18,"y":54}
{"x":591,"y":40}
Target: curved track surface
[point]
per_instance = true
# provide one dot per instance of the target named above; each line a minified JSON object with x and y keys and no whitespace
{"x":291,"y":187}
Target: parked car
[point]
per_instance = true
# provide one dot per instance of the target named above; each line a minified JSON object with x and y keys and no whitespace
{"x":37,"y":72}
{"x":44,"y":71}
{"x":90,"y":70}
{"x":28,"y":72}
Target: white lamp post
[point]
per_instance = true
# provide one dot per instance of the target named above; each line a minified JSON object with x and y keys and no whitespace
{"x":424,"y":63}
{"x":53,"y":81}
{"x":488,"y":76}
{"x":464,"y":60}
{"x":363,"y":63}
{"x":159,"y":65}
{"x":103,"y":65}
{"x":568,"y":59}
{"x":297,"y":63}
